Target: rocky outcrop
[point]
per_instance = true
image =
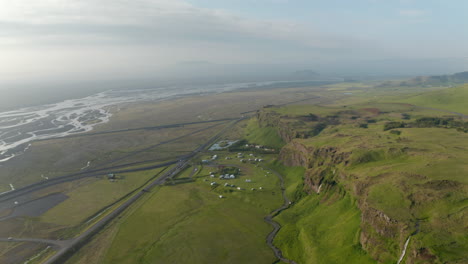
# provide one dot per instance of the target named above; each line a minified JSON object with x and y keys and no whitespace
{"x":272,"y":119}
{"x":295,"y":154}
{"x":381,"y":236}
{"x":268,"y":119}
{"x":320,"y":163}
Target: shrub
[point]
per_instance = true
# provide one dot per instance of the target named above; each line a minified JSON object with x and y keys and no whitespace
{"x":392,"y":125}
{"x":313,"y":117}
{"x":405,"y":116}
{"x":317,"y":129}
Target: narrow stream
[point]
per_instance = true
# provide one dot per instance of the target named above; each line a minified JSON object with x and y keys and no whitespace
{"x":276,"y":225}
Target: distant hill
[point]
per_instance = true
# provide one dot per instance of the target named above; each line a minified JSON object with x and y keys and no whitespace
{"x":457,"y":78}
{"x":452,"y":99}
{"x":435,"y":80}
{"x":304,"y":75}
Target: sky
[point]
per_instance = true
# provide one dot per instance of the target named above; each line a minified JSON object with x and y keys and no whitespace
{"x":119,"y":39}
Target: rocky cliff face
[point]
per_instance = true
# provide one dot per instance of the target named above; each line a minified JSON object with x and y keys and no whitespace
{"x":319,"y":163}
{"x":290,"y":128}
{"x":381,"y":236}
{"x":272,"y":119}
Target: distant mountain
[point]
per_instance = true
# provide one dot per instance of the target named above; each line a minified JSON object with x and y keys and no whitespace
{"x":304,"y":75}
{"x":461,"y":77}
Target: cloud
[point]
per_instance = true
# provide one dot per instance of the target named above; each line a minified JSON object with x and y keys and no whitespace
{"x":123,"y":37}
{"x":144,"y":21}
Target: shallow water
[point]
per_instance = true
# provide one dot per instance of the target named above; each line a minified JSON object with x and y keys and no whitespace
{"x":18,"y":128}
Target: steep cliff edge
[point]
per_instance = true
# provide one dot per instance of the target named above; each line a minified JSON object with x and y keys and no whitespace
{"x":392,"y":181}
{"x":325,"y":173}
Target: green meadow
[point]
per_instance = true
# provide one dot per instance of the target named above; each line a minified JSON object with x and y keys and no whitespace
{"x":188,"y":222}
{"x":414,"y":176}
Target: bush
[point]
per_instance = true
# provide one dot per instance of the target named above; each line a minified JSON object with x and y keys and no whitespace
{"x":392,"y":125}
{"x":395,"y":132}
{"x":405,"y":116}
{"x":363,"y":126}
{"x":317,"y":129}
{"x":313,"y":117}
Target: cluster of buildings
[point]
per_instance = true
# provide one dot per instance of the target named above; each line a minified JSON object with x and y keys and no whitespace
{"x":260,"y":147}
{"x":251,"y":158}
{"x":224,"y":176}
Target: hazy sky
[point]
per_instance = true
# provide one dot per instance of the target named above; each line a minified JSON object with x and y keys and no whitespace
{"x":80,"y":39}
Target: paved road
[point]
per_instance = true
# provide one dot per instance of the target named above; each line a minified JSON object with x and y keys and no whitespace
{"x":276,"y":225}
{"x":81,"y":240}
{"x":140,"y":128}
{"x":55,"y":243}
{"x":158,"y":144}
{"x":96,"y":172}
{"x":66,"y":248}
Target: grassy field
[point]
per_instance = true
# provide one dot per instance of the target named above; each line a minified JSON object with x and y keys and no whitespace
{"x":416,"y":178}
{"x":398,"y":175}
{"x":267,"y":136}
{"x":85,"y":201}
{"x":322,"y":230}
{"x":57,"y":157}
{"x":453,"y":99}
{"x":189,"y":223}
